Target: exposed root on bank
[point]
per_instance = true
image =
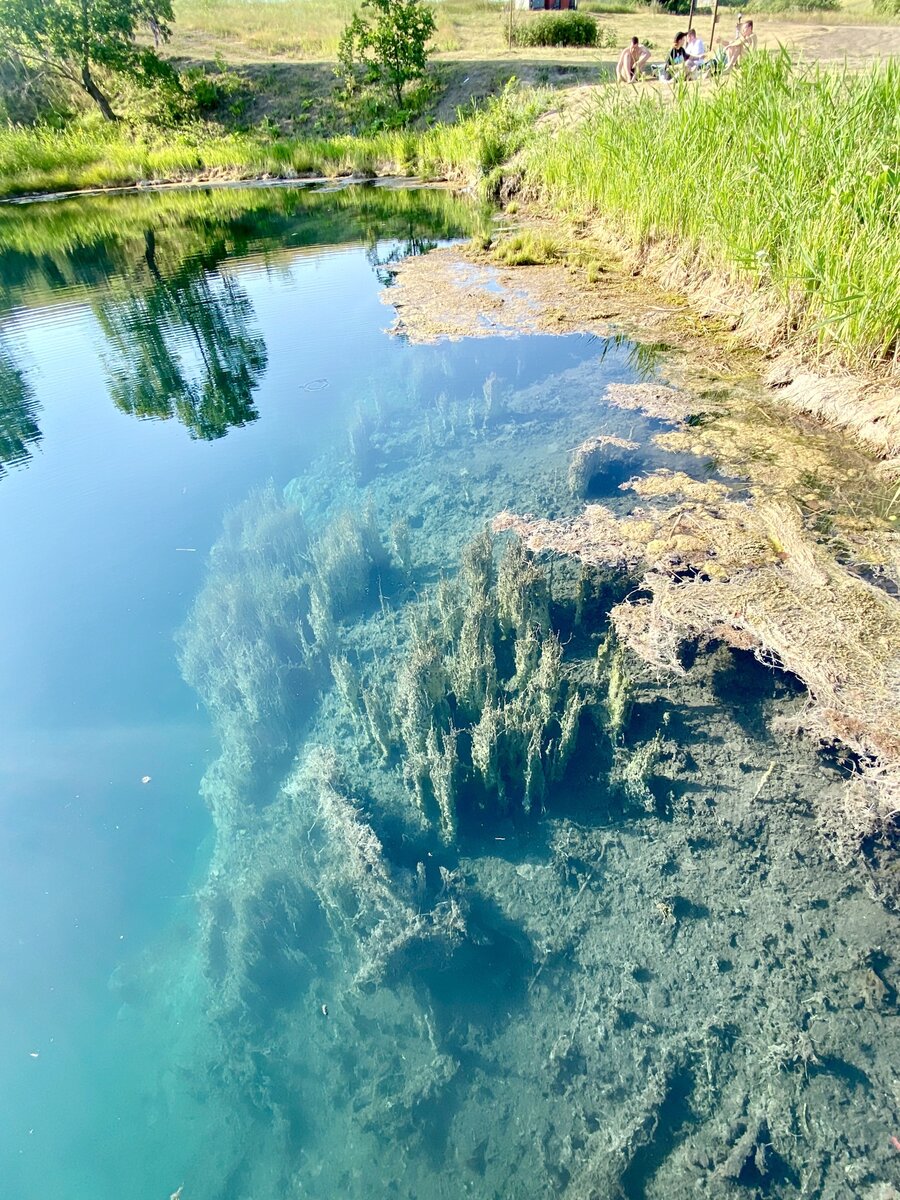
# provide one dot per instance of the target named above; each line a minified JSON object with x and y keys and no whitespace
{"x":711,"y":568}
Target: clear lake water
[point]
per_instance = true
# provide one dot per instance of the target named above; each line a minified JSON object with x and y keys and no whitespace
{"x":247,"y":952}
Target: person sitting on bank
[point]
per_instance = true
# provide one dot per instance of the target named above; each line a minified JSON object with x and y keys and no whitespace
{"x":696,"y":49}
{"x":745,"y":42}
{"x":677,"y":59}
{"x":631,"y":62}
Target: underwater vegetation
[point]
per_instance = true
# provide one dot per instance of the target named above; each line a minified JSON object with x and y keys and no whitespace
{"x":484,"y":866}
{"x":715,"y":568}
{"x":256,"y":646}
{"x":474,"y":700}
{"x":482,"y":711}
{"x":464,"y":697}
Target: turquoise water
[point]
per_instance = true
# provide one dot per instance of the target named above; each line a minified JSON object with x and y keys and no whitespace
{"x":225,"y":983}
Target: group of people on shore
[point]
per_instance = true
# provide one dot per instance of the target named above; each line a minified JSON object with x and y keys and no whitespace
{"x":688,"y":56}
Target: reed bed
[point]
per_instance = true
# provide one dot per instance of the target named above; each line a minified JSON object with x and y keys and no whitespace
{"x":786,"y":176}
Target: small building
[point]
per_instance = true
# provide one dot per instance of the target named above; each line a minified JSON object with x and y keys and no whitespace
{"x":549,"y":5}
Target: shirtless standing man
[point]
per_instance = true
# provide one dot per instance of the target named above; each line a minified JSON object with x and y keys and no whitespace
{"x":632,"y":61}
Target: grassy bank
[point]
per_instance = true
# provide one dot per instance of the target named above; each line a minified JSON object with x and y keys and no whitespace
{"x":94,"y":155}
{"x":786,"y":177}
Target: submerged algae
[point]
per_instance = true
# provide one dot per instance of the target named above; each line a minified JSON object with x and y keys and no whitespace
{"x":714,"y":568}
{"x":654,"y":983}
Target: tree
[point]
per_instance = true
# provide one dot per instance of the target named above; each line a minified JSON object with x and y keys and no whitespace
{"x":73,"y":38}
{"x":387,"y":45}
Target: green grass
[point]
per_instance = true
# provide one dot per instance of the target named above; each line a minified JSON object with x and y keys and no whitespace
{"x":95,"y":155}
{"x":304,"y":28}
{"x":788,"y":177}
{"x":527,"y":249}
{"x":310,"y":29}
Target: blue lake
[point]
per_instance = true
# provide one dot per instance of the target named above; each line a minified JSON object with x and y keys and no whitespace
{"x":233,"y":991}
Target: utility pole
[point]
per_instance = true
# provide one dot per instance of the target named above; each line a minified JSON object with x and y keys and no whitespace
{"x":712,"y":32}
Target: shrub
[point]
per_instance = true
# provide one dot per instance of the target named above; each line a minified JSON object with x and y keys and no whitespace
{"x":550,"y":29}
{"x":777,"y":6}
{"x":887,"y":8}
{"x":216,"y":92}
{"x":386,"y":44}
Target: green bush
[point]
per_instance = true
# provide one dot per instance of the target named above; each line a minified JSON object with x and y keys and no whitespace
{"x":386,"y":44}
{"x":887,"y":8}
{"x":778,"y":6}
{"x":552,"y":29}
{"x":216,"y":93}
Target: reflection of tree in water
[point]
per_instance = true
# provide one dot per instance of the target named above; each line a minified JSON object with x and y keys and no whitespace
{"x":19,"y":430}
{"x":180,"y":335}
{"x":381,"y":262}
{"x":184,"y":347}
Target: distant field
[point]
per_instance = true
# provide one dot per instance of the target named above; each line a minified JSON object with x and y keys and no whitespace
{"x":309,"y":30}
{"x":304,"y":30}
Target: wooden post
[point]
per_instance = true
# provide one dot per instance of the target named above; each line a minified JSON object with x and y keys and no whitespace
{"x":691,"y":14}
{"x":509,"y":26}
{"x":712,"y":32}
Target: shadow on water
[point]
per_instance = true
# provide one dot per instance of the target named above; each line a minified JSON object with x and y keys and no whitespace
{"x":746,"y":689}
{"x":484,"y":979}
{"x":673,"y":1117}
{"x":280,"y":969}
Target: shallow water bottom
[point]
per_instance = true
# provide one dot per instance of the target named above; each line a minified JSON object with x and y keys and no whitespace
{"x":644,"y":976}
{"x":658,"y":999}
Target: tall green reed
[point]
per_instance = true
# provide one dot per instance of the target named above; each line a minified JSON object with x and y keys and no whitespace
{"x":789,"y":176}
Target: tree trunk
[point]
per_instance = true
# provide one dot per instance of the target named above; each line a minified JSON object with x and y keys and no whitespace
{"x":90,"y":86}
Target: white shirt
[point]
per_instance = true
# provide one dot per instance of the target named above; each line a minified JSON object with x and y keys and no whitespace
{"x":695,"y":48}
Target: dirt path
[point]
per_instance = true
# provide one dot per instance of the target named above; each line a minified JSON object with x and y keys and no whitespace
{"x":858,"y":44}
